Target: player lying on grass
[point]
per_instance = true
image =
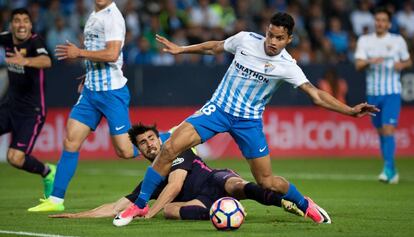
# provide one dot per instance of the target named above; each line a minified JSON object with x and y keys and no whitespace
{"x":192,"y":186}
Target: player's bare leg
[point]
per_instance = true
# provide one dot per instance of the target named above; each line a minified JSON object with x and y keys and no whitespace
{"x":76,"y":134}
{"x":261,"y":169}
{"x":123,"y":146}
{"x":183,"y":138}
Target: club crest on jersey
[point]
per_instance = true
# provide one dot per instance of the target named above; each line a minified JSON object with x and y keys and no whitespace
{"x":23,"y":52}
{"x":268,"y":67}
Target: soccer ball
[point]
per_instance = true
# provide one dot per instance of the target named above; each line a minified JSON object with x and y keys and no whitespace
{"x":227,"y":214}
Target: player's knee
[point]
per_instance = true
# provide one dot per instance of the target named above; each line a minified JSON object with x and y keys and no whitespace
{"x":124,"y":153}
{"x":235,"y":187}
{"x":387,"y":131}
{"x":70,"y":144}
{"x":265,"y":182}
{"x":16,"y":160}
{"x":169,"y":151}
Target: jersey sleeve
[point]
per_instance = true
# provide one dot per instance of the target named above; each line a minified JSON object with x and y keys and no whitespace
{"x":3,"y":37}
{"x":39,"y":46}
{"x":295,"y":75}
{"x":114,"y":28}
{"x":403,"y":49}
{"x":360,"y":52}
{"x":231,"y":43}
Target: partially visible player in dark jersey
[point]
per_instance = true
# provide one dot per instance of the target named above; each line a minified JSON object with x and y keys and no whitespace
{"x":23,"y":110}
{"x":191,"y":187}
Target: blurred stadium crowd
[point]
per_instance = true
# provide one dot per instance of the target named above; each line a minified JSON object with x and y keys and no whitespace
{"x":325,"y":31}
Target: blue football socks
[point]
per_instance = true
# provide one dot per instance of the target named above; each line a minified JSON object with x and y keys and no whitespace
{"x":65,"y":170}
{"x":296,"y":197}
{"x":388,"y":150}
{"x":149,"y":184}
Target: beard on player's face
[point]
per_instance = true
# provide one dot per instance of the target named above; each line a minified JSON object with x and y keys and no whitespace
{"x":149,"y":144}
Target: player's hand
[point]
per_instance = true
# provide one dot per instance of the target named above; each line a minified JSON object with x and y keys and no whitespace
{"x":67,"y":51}
{"x":364,"y":109}
{"x":16,"y":58}
{"x":399,"y":66}
{"x":376,"y":60}
{"x":170,"y":47}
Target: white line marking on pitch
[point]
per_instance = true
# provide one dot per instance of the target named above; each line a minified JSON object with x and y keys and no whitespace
{"x":31,"y":234}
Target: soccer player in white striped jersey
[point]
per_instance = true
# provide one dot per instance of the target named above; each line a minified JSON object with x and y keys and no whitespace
{"x":383,"y":55}
{"x":105,"y":94}
{"x":260,"y":65}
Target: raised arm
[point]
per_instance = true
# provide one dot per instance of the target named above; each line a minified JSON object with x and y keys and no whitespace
{"x":173,"y":188}
{"x":208,"y":47}
{"x":325,"y":100}
{"x":109,"y":54}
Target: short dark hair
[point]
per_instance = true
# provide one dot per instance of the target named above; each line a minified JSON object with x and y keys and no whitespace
{"x":383,"y":10}
{"x":283,"y":19}
{"x":22,"y":11}
{"x":138,"y":129}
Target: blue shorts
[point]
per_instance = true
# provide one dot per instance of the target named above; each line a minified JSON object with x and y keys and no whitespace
{"x":248,"y":133}
{"x":113,"y":105}
{"x":390,"y":106}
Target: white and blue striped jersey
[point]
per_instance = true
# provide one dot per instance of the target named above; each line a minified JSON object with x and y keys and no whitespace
{"x":101,"y":27}
{"x":382,"y":78}
{"x":253,"y":76}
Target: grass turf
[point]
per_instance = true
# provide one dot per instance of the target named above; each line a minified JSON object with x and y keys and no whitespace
{"x":346,"y":188}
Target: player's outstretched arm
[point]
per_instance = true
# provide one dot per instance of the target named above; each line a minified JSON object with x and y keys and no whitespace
{"x":325,"y":100}
{"x":41,"y":61}
{"x":71,"y":51}
{"x":105,"y":210}
{"x":171,"y":190}
{"x":208,"y":47}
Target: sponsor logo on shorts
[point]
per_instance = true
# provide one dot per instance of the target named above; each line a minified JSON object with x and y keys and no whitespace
{"x":21,"y":144}
{"x":178,"y":161}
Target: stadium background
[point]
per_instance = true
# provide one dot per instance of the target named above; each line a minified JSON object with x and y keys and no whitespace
{"x":166,"y":89}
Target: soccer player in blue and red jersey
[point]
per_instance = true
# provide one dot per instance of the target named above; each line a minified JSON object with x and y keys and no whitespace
{"x":105,"y":94}
{"x":23,"y":110}
{"x":383,"y":55}
{"x":260,"y":65}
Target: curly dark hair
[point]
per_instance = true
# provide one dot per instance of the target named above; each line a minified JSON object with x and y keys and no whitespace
{"x":140,"y":128}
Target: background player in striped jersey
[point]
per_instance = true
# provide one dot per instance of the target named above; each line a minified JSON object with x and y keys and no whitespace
{"x":105,"y":94}
{"x":260,"y":65}
{"x":23,"y":110}
{"x":383,"y":55}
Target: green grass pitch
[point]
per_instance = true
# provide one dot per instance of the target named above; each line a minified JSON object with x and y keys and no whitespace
{"x":346,"y":188}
